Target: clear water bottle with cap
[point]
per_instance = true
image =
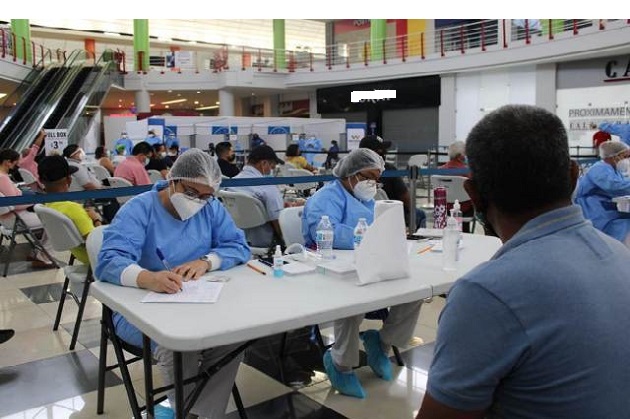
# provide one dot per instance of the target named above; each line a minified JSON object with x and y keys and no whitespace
{"x":278,"y":262}
{"x":325,"y":237}
{"x":450,"y":244}
{"x":456,"y":213}
{"x":359,"y":232}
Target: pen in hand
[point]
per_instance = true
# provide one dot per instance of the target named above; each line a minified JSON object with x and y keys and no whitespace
{"x":160,"y":255}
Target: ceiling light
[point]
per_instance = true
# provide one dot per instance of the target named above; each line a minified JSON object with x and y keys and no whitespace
{"x":179,"y":94}
{"x":112,"y":33}
{"x":218,"y":103}
{"x":167,"y":106}
{"x":4,"y":94}
{"x":204,"y":108}
{"x":198,"y":92}
{"x":196,"y":102}
{"x":170,"y":91}
{"x":170,"y":102}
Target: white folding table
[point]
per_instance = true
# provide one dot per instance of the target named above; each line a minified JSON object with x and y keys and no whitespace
{"x":252,"y":305}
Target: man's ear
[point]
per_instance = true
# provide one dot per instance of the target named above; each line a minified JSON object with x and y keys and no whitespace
{"x":472,"y":191}
{"x":574,"y":173}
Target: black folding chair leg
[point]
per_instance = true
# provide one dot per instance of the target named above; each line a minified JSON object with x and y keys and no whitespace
{"x":62,"y":300}
{"x":399,"y":360}
{"x":102,"y":367}
{"x":239,"y":402}
{"x":77,"y":323}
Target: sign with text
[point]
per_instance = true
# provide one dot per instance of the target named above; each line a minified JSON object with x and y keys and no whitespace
{"x":56,"y":140}
{"x":354,"y":132}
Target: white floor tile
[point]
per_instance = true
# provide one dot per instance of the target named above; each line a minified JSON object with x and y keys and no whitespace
{"x":35,"y":344}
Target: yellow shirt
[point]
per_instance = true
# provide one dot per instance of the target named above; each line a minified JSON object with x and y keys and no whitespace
{"x":298,"y":161}
{"x":81,"y":220}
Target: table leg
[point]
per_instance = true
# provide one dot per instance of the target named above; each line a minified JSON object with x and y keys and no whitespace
{"x":180,"y":409}
{"x":148,"y":373}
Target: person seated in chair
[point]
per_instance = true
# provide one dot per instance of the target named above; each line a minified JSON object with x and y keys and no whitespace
{"x":182,"y":206}
{"x":394,"y":187}
{"x":226,"y":158}
{"x":344,"y":201}
{"x":294,"y":156}
{"x":55,"y":174}
{"x":8,"y":160}
{"x":457,"y":160}
{"x":158,"y":161}
{"x":132,"y":168}
{"x":262,"y":161}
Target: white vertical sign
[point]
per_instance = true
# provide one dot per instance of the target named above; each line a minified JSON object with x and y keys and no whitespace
{"x":354,"y":136}
{"x":56,"y":141}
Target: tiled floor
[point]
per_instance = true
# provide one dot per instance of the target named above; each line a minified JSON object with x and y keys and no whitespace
{"x":41,"y":378}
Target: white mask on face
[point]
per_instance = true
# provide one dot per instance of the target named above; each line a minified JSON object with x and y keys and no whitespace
{"x":185,"y":206}
{"x":80,"y":155}
{"x":623,"y":166}
{"x":147,"y":161}
{"x":364,"y":190}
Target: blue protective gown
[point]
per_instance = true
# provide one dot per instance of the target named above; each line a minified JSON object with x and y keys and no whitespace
{"x":127,"y":143}
{"x":343,"y":209}
{"x":621,"y":130}
{"x":153,"y":140}
{"x":143,"y":224}
{"x":594,"y":194}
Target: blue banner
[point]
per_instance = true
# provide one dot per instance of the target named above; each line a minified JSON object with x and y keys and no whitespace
{"x":274,"y":130}
{"x":223,"y":130}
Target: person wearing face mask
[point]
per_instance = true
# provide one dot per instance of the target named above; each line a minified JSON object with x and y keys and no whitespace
{"x":261,"y":162}
{"x":133,"y":167}
{"x":603,"y":181}
{"x":457,"y":160}
{"x":158,"y":160}
{"x":126,"y":142}
{"x":344,"y":201}
{"x":226,"y":159}
{"x":394,"y":187}
{"x":541,"y":329}
{"x":102,"y":157}
{"x":182,"y":206}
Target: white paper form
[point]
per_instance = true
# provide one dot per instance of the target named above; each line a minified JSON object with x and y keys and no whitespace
{"x":197,"y":291}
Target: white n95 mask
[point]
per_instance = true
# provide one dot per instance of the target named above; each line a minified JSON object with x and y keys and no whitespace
{"x":364,"y":190}
{"x":623,"y":167}
{"x":185,"y":206}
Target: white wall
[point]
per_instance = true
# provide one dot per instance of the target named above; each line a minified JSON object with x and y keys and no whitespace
{"x":479,"y":93}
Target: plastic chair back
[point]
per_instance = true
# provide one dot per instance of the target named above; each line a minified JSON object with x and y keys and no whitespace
{"x":246,"y":210}
{"x":62,"y":232}
{"x":302,"y":186}
{"x":118,"y":182}
{"x":454,"y":187}
{"x":99,"y":171}
{"x":155,"y":175}
{"x":27,"y":176}
{"x":93,"y":245}
{"x":420,"y":160}
{"x":290,"y":220}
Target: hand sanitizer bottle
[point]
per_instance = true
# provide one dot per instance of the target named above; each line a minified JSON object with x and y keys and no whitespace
{"x":278,"y":261}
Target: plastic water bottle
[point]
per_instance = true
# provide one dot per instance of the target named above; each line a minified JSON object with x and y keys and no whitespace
{"x":450,"y":244}
{"x":325,"y":237}
{"x":456,"y":213}
{"x":359,"y":232}
{"x":278,"y":262}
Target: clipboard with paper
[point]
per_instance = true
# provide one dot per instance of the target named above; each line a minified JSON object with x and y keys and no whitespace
{"x":383,"y":253}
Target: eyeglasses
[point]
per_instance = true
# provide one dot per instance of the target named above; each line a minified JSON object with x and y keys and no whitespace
{"x":371,"y":181}
{"x":194,"y":194}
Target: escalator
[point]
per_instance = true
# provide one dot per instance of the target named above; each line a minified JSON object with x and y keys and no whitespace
{"x":27,"y":96}
{"x":59,"y":99}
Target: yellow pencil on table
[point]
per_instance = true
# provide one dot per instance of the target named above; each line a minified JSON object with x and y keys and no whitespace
{"x":257,"y":269}
{"x":425,"y":249}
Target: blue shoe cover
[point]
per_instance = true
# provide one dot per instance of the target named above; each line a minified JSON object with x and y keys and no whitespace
{"x":163,"y":412}
{"x":344,"y":383}
{"x":376,"y":358}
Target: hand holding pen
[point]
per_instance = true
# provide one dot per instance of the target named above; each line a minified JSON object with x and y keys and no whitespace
{"x":163,"y":281}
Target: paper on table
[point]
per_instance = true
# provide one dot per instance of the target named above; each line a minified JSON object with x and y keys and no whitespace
{"x":199,"y":291}
{"x":383,"y":252}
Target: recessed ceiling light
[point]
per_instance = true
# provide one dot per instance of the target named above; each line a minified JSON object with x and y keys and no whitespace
{"x":179,"y":94}
{"x":167,"y":106}
{"x":120,"y":100}
{"x":218,"y":103}
{"x":196,"y":102}
{"x":203,"y":108}
{"x":4,"y":94}
{"x":198,"y":92}
{"x":153,"y":104}
{"x":170,"y":91}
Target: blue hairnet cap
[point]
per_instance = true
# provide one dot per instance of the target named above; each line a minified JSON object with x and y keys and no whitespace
{"x":358,"y":160}
{"x":196,"y":166}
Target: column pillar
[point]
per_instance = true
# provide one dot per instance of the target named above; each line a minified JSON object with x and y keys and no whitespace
{"x":143,"y":101}
{"x":141,"y":44}
{"x":22,"y":30}
{"x":378,"y":32}
{"x":279,"y":43}
{"x":447,"y":116}
{"x":226,"y":103}
{"x":312,"y":105}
